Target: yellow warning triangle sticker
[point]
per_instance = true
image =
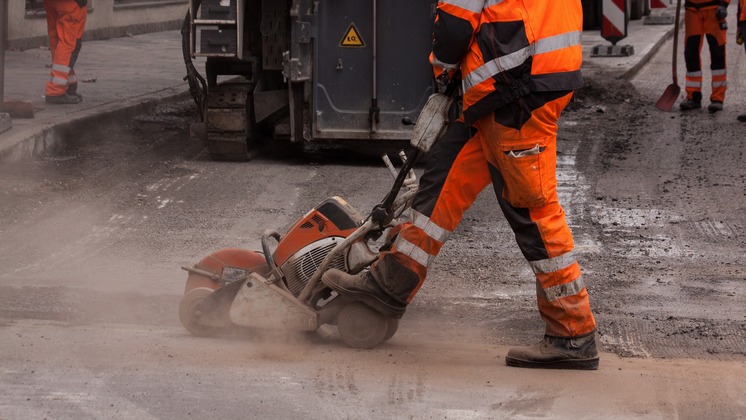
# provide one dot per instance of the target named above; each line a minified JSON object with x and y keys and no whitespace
{"x":352,"y":38}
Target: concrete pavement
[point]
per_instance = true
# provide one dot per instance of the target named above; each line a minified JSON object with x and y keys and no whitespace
{"x":121,"y":77}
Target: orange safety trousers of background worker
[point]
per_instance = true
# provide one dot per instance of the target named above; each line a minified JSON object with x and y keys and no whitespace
{"x":513,"y":148}
{"x":700,"y":23}
{"x":65,"y":24}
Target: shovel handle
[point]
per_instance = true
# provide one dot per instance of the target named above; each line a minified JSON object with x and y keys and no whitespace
{"x":676,"y":41}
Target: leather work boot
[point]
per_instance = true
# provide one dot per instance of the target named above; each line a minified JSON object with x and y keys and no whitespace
{"x":72,"y":89}
{"x":714,"y":107}
{"x":741,"y":118}
{"x":557,"y":353}
{"x":690,"y":104}
{"x":363,"y":288}
{"x":63,"y":99}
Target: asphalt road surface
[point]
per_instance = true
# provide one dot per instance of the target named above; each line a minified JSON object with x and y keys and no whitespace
{"x":94,"y":234}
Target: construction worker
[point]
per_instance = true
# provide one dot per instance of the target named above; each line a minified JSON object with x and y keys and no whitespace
{"x":741,"y":34}
{"x":705,"y":19}
{"x":519,"y":61}
{"x":65,"y":24}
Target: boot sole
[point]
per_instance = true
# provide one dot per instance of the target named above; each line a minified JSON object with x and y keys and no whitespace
{"x":62,"y":101}
{"x":577,"y":364}
{"x":369,"y":300}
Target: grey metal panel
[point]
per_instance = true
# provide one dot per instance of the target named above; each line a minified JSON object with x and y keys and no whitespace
{"x":275,"y":33}
{"x":343,"y":77}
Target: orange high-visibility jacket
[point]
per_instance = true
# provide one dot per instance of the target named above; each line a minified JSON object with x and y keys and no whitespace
{"x":506,"y":49}
{"x":741,"y":11}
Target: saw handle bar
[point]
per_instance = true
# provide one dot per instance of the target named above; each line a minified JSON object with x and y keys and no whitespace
{"x":383,"y":213}
{"x":411,"y":180}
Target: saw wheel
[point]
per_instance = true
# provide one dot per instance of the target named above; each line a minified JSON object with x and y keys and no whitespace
{"x":361,"y":327}
{"x":392,"y":325}
{"x":189,"y":313}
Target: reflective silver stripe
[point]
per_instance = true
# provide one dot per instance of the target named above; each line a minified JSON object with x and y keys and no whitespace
{"x":72,"y":79}
{"x":690,"y":83}
{"x":429,"y":227}
{"x":446,"y":66}
{"x":721,"y":72}
{"x":563,"y":290}
{"x":556,"y":42}
{"x":720,"y":84}
{"x":515,"y":59}
{"x":58,"y":81}
{"x":493,"y":67}
{"x":694,"y":74}
{"x":470,"y":5}
{"x":551,"y":265}
{"x":60,"y":67}
{"x":489,"y":3}
{"x":412,"y":251}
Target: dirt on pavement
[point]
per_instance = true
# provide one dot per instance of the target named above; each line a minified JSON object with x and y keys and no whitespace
{"x":93,"y":242}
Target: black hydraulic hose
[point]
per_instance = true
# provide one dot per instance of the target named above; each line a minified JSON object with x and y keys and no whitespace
{"x":197,"y":84}
{"x":265,"y":247}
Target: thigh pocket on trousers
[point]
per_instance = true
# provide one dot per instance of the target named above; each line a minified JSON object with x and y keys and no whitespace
{"x":529,"y":174}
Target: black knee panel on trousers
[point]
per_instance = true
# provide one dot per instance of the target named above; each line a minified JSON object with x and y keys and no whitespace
{"x":717,"y":53}
{"x":691,"y":53}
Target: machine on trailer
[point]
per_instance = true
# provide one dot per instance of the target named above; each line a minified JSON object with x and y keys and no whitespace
{"x":291,"y":72}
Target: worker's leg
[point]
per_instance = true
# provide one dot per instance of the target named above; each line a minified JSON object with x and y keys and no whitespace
{"x":455,"y":173}
{"x":52,"y":17}
{"x":70,"y":23}
{"x":716,"y":39}
{"x":520,"y":146}
{"x":522,"y":160}
{"x":692,"y":48}
{"x":72,"y":87}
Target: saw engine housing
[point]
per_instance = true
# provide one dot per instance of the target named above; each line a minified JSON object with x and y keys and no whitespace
{"x":300,"y":252}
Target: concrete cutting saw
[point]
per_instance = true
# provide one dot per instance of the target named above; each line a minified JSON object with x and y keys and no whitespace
{"x":279,"y":286}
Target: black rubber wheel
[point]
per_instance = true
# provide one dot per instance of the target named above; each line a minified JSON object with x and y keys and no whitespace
{"x":189,"y":315}
{"x":361,"y":327}
{"x":392,"y":325}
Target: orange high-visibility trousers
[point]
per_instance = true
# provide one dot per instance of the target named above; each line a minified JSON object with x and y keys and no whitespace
{"x":701,"y":23}
{"x":65,"y":25}
{"x":514,"y":149}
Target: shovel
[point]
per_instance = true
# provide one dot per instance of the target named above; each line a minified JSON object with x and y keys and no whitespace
{"x":671,"y":94}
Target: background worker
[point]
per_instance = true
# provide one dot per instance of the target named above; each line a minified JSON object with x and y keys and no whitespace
{"x":520,"y":62}
{"x":65,"y":25}
{"x":705,"y":19}
{"x":741,"y":34}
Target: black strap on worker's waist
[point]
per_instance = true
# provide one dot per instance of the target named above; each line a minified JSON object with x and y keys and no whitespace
{"x":694,"y":5}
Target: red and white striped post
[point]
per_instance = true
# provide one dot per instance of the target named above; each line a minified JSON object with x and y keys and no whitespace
{"x":659,"y":15}
{"x":613,"y":29}
{"x":614,"y":22}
